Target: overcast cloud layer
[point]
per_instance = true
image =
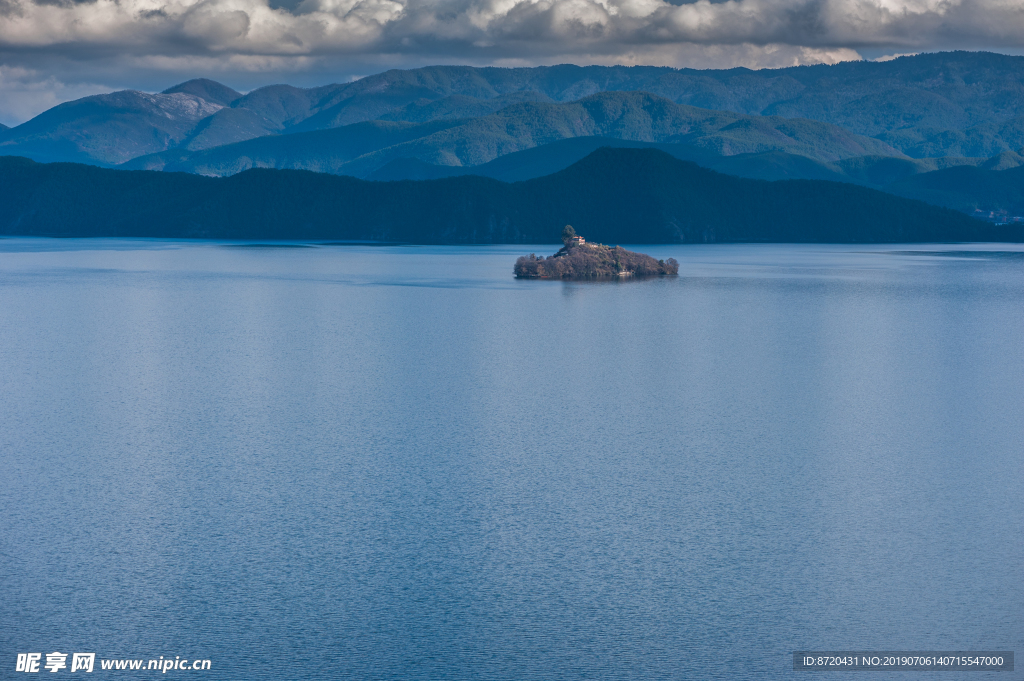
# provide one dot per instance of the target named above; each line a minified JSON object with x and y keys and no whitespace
{"x":53,"y":50}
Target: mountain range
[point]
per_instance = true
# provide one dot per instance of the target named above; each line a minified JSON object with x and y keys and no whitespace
{"x":620,"y":195}
{"x":963,"y":184}
{"x":361,"y":148}
{"x":945,"y":104}
{"x":901,"y":126}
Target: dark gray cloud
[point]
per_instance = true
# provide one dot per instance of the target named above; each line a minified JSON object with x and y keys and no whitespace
{"x":53,"y":49}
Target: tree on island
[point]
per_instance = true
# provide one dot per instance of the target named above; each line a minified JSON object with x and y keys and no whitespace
{"x":567,"y":235}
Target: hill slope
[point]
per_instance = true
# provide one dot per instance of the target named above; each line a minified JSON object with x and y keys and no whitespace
{"x":555,"y":156}
{"x":206,"y":89}
{"x":108,"y":129}
{"x":622,"y":115}
{"x":953,"y":103}
{"x":920,"y":95}
{"x":965,"y":184}
{"x":967,"y":188}
{"x":616,"y":195}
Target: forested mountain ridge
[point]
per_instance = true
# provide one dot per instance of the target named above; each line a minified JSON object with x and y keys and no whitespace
{"x":869,"y":170}
{"x":888,"y":173}
{"x":929,"y":105}
{"x":635,"y":116}
{"x":617,"y":195}
{"x":204,"y":88}
{"x":968,"y":189}
{"x":964,"y":184}
{"x":108,"y":129}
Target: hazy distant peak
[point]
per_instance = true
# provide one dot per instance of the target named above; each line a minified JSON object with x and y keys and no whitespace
{"x":207,"y":89}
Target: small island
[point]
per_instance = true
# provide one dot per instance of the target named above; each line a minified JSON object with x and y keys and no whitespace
{"x":578,"y":259}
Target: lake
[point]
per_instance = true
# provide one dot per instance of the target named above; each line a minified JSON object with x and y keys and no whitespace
{"x":387,"y":462}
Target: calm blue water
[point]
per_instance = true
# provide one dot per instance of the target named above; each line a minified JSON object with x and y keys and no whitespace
{"x":401,"y":463}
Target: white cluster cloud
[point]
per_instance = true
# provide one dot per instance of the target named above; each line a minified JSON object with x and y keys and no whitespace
{"x":189,"y":37}
{"x":528,"y":29}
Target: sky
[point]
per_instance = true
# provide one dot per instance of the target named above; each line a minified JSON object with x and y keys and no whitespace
{"x":56,"y":50}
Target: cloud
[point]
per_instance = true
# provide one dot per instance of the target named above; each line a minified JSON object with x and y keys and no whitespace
{"x":25,"y":93}
{"x":494,"y":29}
{"x":117,"y":40}
{"x":890,"y":57}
